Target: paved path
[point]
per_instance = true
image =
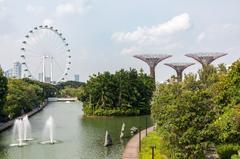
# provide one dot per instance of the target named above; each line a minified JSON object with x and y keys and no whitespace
{"x":131,"y":151}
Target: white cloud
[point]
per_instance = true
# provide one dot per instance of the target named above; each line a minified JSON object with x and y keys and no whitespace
{"x":80,"y":7}
{"x":164,"y":37}
{"x":130,"y":51}
{"x":221,"y":33}
{"x":145,"y":34}
{"x":201,"y":36}
{"x":47,"y":21}
{"x":37,"y":10}
{"x":3,"y":9}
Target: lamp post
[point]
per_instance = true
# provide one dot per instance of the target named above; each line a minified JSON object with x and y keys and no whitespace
{"x":146,"y":122}
{"x":139,"y":140}
{"x":153,"y":147}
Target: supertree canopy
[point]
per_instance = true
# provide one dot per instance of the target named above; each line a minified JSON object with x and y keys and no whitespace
{"x":152,"y":60}
{"x":205,"y":58}
{"x":179,"y":68}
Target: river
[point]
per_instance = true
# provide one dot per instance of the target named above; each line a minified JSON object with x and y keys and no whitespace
{"x":80,"y":137}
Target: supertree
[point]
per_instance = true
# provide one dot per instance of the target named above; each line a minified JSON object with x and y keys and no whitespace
{"x":179,"y":68}
{"x":152,"y":60}
{"x":205,"y":58}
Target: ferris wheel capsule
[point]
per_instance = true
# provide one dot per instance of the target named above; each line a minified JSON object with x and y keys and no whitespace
{"x":60,"y":34}
{"x":23,"y":63}
{"x":46,"y":26}
{"x":30,"y":31}
{"x":69,"y":56}
{"x":68,"y":68}
{"x":40,"y":26}
{"x":24,"y":42}
{"x":51,"y":27}
{"x":66,"y":44}
{"x":35,"y":28}
{"x":23,"y":49}
{"x":69,"y":62}
{"x":27,"y":36}
{"x":22,"y":56}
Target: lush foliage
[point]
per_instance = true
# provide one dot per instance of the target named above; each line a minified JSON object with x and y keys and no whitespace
{"x":153,"y":139}
{"x":22,"y":97}
{"x":48,"y":90}
{"x":3,"y":92}
{"x":122,"y":93}
{"x":19,"y":96}
{"x":69,"y":84}
{"x":199,"y":111}
{"x":70,"y":89}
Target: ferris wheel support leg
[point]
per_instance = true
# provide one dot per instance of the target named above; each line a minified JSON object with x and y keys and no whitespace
{"x":43,"y":71}
{"x":51,"y":69}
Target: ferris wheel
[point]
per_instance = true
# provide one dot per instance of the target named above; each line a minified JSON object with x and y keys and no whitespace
{"x":46,"y":55}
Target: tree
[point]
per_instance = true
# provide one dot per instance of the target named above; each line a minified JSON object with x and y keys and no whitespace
{"x":121,"y":93}
{"x":199,"y":112}
{"x":3,"y":92}
{"x":22,"y":97}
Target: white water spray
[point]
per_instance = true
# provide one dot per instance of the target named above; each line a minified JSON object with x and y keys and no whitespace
{"x":48,"y":133}
{"x":21,"y":131}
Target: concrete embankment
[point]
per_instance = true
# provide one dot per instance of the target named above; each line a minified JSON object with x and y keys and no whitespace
{"x":131,"y":150}
{"x":10,"y":123}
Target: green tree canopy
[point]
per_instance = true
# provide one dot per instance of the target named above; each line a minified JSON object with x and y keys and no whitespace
{"x":3,"y":92}
{"x":122,"y":93}
{"x":201,"y":110}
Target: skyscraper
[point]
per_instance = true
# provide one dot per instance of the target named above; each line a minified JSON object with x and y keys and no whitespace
{"x":8,"y":73}
{"x":76,"y":77}
{"x":17,"y":70}
{"x":40,"y":77}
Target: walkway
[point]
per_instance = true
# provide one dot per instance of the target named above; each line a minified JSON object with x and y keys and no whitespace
{"x":131,"y":151}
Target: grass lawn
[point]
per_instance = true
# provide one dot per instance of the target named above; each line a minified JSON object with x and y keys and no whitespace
{"x":153,"y":139}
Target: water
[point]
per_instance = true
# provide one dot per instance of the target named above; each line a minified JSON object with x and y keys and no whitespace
{"x":21,"y":132}
{"x":48,"y":133}
{"x":77,"y":137}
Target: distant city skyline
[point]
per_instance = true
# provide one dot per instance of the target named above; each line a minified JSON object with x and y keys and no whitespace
{"x":104,"y":35}
{"x":77,"y":77}
{"x":15,"y":71}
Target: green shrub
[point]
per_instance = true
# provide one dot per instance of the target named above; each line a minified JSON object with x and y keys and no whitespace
{"x":235,"y":156}
{"x":227,"y":150}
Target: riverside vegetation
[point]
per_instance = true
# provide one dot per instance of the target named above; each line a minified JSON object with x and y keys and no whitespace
{"x":122,"y":93}
{"x":19,"y":96}
{"x":201,"y":111}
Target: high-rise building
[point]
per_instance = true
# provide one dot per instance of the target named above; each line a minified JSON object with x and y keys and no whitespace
{"x":17,"y":70}
{"x":8,"y":73}
{"x":48,"y":79}
{"x":40,"y":77}
{"x":76,"y":77}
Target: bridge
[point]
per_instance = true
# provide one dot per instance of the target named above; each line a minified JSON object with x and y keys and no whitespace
{"x":54,"y":99}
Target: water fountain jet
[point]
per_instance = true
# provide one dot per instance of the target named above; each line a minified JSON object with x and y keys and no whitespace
{"x":21,"y":131}
{"x":49,"y":132}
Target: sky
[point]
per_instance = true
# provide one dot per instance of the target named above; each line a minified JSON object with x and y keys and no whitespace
{"x":104,"y":34}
